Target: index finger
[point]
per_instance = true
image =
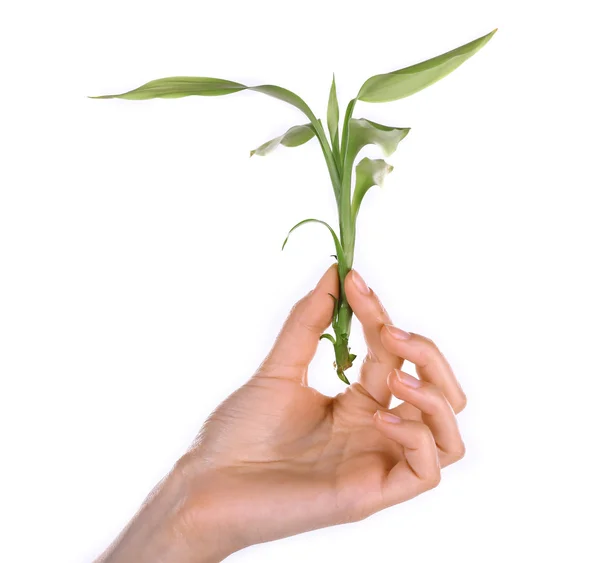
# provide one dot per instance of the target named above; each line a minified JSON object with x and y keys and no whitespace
{"x":373,"y":317}
{"x":430,"y":363}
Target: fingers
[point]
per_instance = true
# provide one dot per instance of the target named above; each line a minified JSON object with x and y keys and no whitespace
{"x":431,"y":365}
{"x":297,"y":342}
{"x":437,"y":413}
{"x":419,"y":470}
{"x":373,"y":317}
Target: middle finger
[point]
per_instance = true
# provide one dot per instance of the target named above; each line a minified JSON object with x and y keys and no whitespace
{"x":436,"y":411}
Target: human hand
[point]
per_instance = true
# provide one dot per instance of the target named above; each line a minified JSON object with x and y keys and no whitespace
{"x":277,"y":458}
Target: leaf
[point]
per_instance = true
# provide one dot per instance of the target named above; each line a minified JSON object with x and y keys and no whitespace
{"x":407,"y":81}
{"x":293,"y":137}
{"x":181,"y":86}
{"x":342,"y":376}
{"x":369,"y":173}
{"x":336,"y":240}
{"x":336,"y":310}
{"x":286,"y":96}
{"x":363,"y":132}
{"x":328,"y":337}
{"x":333,"y":114}
{"x":347,"y":117}
{"x":178,"y":87}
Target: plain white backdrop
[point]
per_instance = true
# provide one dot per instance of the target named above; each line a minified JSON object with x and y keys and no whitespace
{"x":142,"y":279}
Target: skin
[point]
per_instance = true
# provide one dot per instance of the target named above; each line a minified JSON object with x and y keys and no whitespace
{"x":278,"y":458}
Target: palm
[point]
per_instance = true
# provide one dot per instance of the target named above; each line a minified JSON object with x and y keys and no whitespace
{"x":293,"y":442}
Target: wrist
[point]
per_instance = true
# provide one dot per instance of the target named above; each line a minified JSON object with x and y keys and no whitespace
{"x":175,"y":524}
{"x":200,"y":520}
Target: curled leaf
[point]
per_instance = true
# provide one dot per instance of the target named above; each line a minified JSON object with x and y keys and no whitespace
{"x":336,"y":240}
{"x":293,"y":137}
{"x":342,"y":375}
{"x":369,"y":173}
{"x":407,"y":81}
{"x":328,"y":337}
{"x":363,"y":132}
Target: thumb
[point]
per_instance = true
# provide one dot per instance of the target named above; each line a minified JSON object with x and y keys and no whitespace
{"x":297,"y":342}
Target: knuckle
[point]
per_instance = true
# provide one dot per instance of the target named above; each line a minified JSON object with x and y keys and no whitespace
{"x":435,"y":479}
{"x":455,"y":454}
{"x":437,"y":398}
{"x":460,"y":403}
{"x":461,"y":451}
{"x":427,"y":343}
{"x":381,"y":315}
{"x":432,"y":478}
{"x":427,"y":350}
{"x":299,"y":305}
{"x":423,"y":434}
{"x":300,"y":316}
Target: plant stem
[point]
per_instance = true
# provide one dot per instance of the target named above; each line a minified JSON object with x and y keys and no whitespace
{"x":343,"y":317}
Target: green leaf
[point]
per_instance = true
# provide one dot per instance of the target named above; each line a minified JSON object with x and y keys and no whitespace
{"x":328,"y":337}
{"x":336,"y":309}
{"x":285,"y":96}
{"x":363,"y":132}
{"x":293,"y":137}
{"x":342,"y":376}
{"x":406,"y":81}
{"x":336,"y":240}
{"x":369,"y":173}
{"x":346,"y":127}
{"x":333,"y":114}
{"x":178,"y":87}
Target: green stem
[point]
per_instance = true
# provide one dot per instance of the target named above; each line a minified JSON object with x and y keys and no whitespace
{"x":342,"y":326}
{"x":332,"y":165}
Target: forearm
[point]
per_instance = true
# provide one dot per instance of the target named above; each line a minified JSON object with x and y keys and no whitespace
{"x":165,"y":529}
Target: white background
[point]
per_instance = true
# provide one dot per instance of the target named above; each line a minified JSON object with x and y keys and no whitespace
{"x":142,"y":279}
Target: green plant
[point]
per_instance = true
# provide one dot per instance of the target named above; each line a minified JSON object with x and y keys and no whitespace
{"x":340,"y":150}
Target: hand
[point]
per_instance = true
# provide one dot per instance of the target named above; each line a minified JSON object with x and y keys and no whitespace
{"x":278,"y":458}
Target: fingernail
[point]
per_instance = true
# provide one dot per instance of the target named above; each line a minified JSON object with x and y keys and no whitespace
{"x":397,"y":333}
{"x":360,"y":283}
{"x":389,"y":417}
{"x":408,"y":380}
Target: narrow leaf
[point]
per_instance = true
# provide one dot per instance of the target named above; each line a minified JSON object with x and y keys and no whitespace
{"x":336,"y":240}
{"x":346,"y":127}
{"x":336,"y":309}
{"x":181,"y":86}
{"x":178,"y":87}
{"x":364,"y":132}
{"x":343,"y":377}
{"x":285,"y":96}
{"x":369,"y":173}
{"x":333,"y":114}
{"x":406,"y":81}
{"x":293,"y":137}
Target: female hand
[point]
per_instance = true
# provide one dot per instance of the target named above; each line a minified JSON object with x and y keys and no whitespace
{"x":278,"y":458}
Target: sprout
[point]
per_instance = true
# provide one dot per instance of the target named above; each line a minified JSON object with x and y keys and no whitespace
{"x":340,"y":152}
